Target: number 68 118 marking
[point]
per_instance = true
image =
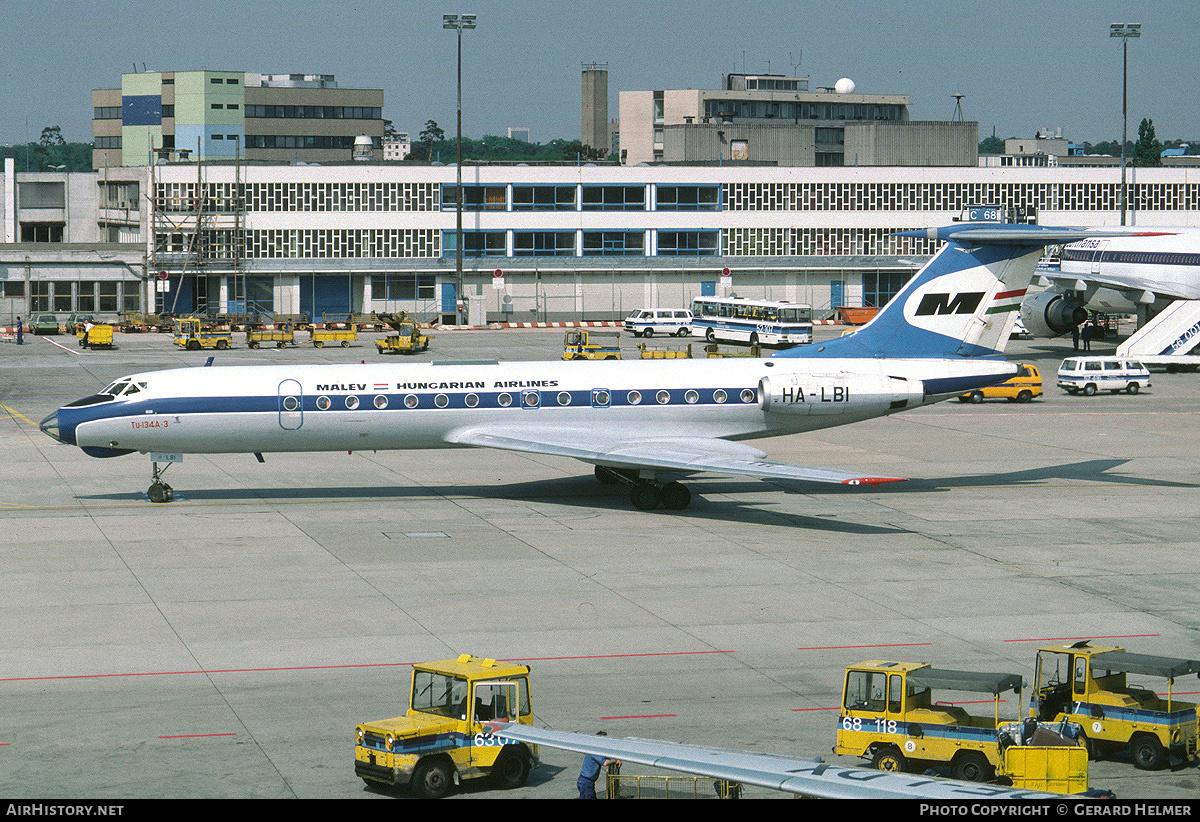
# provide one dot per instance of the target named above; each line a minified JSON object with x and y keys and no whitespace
{"x":881,"y":726}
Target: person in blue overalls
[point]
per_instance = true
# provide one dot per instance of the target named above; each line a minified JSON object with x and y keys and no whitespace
{"x":590,"y":772}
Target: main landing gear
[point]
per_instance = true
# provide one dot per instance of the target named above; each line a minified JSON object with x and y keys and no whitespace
{"x":159,"y":491}
{"x":646,"y":494}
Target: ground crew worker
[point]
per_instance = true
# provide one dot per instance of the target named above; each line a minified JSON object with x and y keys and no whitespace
{"x":590,"y":772}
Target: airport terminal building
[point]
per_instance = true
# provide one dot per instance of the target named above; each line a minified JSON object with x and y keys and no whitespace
{"x":540,"y":243}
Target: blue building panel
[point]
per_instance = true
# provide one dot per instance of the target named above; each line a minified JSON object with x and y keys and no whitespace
{"x":141,"y":110}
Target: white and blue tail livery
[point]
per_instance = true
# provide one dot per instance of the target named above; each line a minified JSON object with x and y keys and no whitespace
{"x":963,"y":303}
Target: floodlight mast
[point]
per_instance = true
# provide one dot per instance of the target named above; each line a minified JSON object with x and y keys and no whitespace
{"x":1124,"y":31}
{"x":458,"y":23}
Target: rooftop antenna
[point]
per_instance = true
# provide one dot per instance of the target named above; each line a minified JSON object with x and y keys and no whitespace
{"x":958,"y":115}
{"x":796,"y":63}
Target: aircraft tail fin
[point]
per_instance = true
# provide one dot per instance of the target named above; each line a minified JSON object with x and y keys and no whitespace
{"x":962,"y":303}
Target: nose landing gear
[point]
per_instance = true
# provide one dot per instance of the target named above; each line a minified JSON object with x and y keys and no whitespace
{"x":159,"y":491}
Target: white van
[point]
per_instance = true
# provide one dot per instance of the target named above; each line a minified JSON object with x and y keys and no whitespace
{"x":1092,"y":374}
{"x":651,"y":321}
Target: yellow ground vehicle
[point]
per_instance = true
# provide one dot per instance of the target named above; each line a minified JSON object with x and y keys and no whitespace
{"x":661,"y":353}
{"x":441,"y":738}
{"x":585,"y":344}
{"x":194,"y":334}
{"x":889,"y":715}
{"x":408,"y":338}
{"x":100,"y":336}
{"x":1026,"y":385}
{"x":1087,"y":684}
{"x":255,"y":337}
{"x":344,"y":336}
{"x":713,"y":350}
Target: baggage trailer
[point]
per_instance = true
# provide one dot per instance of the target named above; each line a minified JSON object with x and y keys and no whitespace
{"x":100,"y":336}
{"x":664,"y":353}
{"x":255,"y":337}
{"x":712,"y":350}
{"x":319,"y":336}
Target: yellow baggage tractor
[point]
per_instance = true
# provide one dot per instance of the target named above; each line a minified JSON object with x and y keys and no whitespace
{"x":345,"y":336}
{"x":192,"y":335}
{"x":442,"y":738}
{"x":583,"y":344}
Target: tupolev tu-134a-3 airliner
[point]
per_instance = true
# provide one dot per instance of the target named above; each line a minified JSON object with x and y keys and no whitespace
{"x":641,"y":423}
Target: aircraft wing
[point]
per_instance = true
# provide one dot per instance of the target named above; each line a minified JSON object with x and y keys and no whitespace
{"x":808,"y":777}
{"x":686,"y":454}
{"x":1131,"y":287}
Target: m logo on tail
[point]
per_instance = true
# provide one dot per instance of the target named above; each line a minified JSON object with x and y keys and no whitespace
{"x":942,"y":304}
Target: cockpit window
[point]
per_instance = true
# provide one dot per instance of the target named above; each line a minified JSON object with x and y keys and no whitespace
{"x":123,"y":388}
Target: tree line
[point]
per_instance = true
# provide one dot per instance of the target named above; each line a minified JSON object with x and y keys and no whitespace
{"x":432,"y":146}
{"x":50,"y":153}
{"x":1145,"y":152}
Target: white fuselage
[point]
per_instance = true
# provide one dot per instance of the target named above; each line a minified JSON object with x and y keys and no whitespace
{"x":406,"y":406}
{"x":1164,"y":266}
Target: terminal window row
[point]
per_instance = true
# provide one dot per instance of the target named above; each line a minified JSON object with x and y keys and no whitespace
{"x":583,"y":198}
{"x":315,"y":112}
{"x":298,"y":197}
{"x":328,"y":141}
{"x":109,"y":296}
{"x":955,"y":196}
{"x":365,"y":243}
{"x":226,"y":244}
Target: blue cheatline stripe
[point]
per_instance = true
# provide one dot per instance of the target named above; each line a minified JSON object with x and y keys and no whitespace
{"x":425,"y":400}
{"x":1184,"y":716}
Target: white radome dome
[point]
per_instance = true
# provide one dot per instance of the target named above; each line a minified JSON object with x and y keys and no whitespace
{"x":844,"y":86}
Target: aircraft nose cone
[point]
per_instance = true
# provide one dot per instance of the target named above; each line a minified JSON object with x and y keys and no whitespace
{"x":49,"y":427}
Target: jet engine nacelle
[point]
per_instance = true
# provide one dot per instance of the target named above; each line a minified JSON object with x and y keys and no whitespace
{"x":842,"y":393}
{"x":1050,"y":313}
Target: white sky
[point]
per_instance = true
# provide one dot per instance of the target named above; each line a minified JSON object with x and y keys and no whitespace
{"x":1021,"y":65}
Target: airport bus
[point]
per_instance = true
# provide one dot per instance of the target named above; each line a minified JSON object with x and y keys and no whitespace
{"x":757,"y":322}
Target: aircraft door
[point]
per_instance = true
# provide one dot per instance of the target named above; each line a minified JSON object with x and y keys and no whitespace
{"x":531,"y":399}
{"x":291,"y":405}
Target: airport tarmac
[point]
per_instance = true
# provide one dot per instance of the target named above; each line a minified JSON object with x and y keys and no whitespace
{"x":225,"y":644}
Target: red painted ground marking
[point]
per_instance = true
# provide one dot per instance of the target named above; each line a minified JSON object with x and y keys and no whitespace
{"x":967,"y":702}
{"x":852,"y":647}
{"x":615,"y":656}
{"x":337,"y":667}
{"x":1076,"y":638}
{"x":642,"y":716}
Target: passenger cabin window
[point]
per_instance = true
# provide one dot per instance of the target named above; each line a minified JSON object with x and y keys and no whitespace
{"x":1112,"y":366}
